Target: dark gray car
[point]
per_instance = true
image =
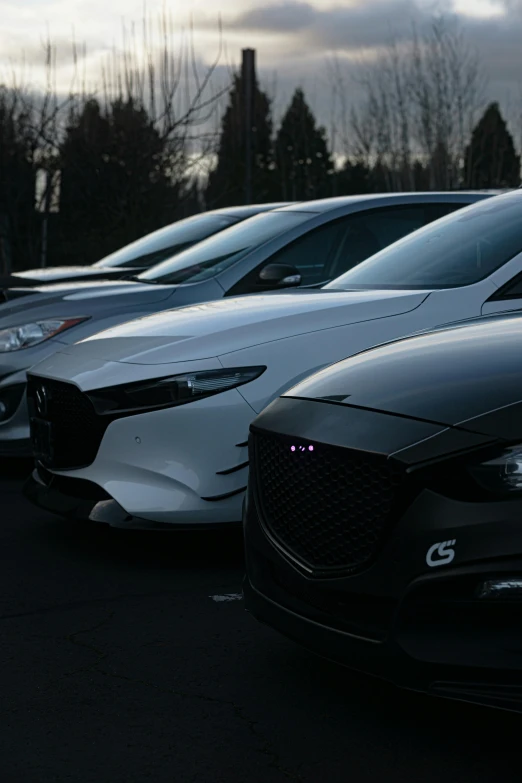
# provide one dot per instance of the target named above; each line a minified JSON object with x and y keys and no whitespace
{"x":305,"y":244}
{"x":145,"y":252}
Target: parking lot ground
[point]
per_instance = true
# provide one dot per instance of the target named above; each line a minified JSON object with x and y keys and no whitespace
{"x":122,"y":661}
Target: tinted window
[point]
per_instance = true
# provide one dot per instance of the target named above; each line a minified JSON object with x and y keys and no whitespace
{"x":370,"y":232}
{"x":457,"y":250}
{"x":311,"y":252}
{"x":216,"y":254}
{"x":166,"y":242}
{"x":512,"y":290}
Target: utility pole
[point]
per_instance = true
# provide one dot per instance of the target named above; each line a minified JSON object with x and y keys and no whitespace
{"x":248,"y":73}
{"x":6,"y":266}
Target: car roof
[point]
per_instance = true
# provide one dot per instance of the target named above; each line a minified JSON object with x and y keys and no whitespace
{"x":328,"y":204}
{"x":250,"y":209}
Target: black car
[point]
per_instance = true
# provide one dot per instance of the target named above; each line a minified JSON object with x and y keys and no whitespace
{"x":383,"y":522}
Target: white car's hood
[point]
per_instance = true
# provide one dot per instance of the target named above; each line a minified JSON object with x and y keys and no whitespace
{"x":215,"y":328}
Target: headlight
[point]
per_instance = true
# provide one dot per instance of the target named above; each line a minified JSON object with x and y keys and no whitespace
{"x":17,"y":337}
{"x":501,"y":474}
{"x":171,"y":391}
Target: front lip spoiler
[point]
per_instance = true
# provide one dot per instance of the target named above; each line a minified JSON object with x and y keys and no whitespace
{"x":107,"y":512}
{"x":372,"y":659}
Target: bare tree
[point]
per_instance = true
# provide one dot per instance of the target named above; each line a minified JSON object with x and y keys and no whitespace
{"x":418,"y":103}
{"x":158,"y":70}
{"x":447,"y":90}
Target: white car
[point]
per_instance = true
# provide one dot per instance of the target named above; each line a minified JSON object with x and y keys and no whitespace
{"x":146,"y":424}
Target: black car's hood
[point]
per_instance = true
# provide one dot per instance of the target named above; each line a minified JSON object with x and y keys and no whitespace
{"x":458,"y":376}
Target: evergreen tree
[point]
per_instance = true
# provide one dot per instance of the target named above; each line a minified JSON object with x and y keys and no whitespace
{"x":18,"y":220}
{"x":303,"y":163}
{"x":490,"y":159}
{"x":352,"y":179}
{"x":115,"y":185}
{"x":226,"y":185}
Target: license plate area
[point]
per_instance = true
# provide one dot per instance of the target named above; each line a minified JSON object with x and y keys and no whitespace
{"x":42,"y":440}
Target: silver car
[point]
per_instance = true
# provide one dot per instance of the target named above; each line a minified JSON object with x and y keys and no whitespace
{"x":145,"y":252}
{"x":305,"y":244}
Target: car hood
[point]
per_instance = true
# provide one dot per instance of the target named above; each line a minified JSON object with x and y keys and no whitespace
{"x":77,"y":298}
{"x":468,"y":376}
{"x":52,"y":274}
{"x":214,"y":328}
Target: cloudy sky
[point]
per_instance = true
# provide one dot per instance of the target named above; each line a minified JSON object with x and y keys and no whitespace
{"x":293,"y":38}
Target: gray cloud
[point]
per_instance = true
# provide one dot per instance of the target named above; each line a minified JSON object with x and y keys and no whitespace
{"x":366,"y":24}
{"x":280,"y":18}
{"x":33,"y":53}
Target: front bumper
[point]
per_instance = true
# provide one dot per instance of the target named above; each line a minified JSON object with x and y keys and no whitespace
{"x":182,"y":467}
{"x":403,"y":617}
{"x":15,"y":438}
{"x":434,"y":637}
{"x":83,"y":501}
{"x":488,"y":687}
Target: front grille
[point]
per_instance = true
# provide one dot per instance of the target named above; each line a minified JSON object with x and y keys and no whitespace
{"x":327,"y":507}
{"x":76,"y":429}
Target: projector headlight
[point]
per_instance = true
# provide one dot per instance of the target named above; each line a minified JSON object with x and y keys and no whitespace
{"x":17,"y":337}
{"x":171,"y":391}
{"x":502,"y":474}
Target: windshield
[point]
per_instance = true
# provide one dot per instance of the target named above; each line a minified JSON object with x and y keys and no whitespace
{"x":166,"y":242}
{"x":218,"y":253}
{"x":457,"y":250}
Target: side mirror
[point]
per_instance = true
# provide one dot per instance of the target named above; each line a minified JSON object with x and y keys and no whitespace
{"x":279,"y":276}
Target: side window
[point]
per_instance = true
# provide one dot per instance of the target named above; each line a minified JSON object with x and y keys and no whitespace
{"x":310,"y":255}
{"x":367,"y":233}
{"x":512,"y":290}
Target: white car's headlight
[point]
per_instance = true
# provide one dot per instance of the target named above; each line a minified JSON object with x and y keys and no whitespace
{"x":17,"y":337}
{"x":171,"y":391}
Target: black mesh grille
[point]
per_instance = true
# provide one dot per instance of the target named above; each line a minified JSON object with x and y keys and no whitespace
{"x":328,"y":507}
{"x":76,"y":430}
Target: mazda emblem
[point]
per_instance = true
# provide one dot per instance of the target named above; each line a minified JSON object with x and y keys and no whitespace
{"x":42,"y":401}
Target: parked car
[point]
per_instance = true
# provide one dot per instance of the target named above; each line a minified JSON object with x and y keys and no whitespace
{"x":382,"y":523}
{"x":305,"y":244}
{"x":145,"y":252}
{"x":146,"y":424}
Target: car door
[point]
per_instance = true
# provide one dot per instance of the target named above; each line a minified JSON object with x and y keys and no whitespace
{"x":328,"y":251}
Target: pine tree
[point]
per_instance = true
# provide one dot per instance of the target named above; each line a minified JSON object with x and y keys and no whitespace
{"x":226,"y":185}
{"x":114,"y":180}
{"x":352,"y":179}
{"x":18,"y":220}
{"x":303,"y":163}
{"x":490,"y":158}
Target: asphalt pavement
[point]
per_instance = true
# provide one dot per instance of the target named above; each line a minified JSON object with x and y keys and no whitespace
{"x":128,"y":657}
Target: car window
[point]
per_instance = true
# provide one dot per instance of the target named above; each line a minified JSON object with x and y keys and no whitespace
{"x":369,"y":232}
{"x":459,"y":249}
{"x":310,"y":253}
{"x":214,"y":255}
{"x":166,"y":242}
{"x":512,"y":290}
{"x":329,"y":250}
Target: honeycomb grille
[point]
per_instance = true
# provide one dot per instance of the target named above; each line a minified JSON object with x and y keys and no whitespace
{"x":77,"y":430}
{"x":326,"y":506}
